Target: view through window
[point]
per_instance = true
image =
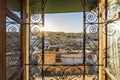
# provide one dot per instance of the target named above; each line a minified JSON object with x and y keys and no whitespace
{"x":70,"y":42}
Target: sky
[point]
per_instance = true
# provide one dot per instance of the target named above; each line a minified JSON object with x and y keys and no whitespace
{"x":61,"y":22}
{"x":64,"y":22}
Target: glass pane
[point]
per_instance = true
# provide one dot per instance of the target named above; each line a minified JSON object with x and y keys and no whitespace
{"x":13,"y":55}
{"x":113,"y":42}
{"x":15,"y":6}
{"x":113,"y":7}
{"x":113,"y":52}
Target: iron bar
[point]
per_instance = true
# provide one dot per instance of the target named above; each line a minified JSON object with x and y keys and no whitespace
{"x":98,"y":34}
{"x":106,"y":37}
{"x":29,"y":39}
{"x":67,"y":65}
{"x":90,"y":40}
{"x":84,"y":37}
{"x":42,"y":16}
{"x":17,"y":76}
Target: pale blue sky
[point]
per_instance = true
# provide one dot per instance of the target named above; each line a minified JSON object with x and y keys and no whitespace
{"x":65,"y":22}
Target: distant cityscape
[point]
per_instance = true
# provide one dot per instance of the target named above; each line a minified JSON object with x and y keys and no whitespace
{"x":65,"y":40}
{"x":60,"y":48}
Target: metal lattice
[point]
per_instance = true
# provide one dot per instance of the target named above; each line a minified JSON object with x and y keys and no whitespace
{"x":88,"y":68}
{"x":13,"y":61}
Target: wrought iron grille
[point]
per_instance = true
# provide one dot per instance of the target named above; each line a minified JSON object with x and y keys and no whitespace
{"x":13,"y":54}
{"x":43,"y":66}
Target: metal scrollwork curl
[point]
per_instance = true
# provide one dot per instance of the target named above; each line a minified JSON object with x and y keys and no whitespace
{"x":91,"y":58}
{"x":91,"y":17}
{"x":13,"y":28}
{"x":35,"y":29}
{"x":36,"y":58}
{"x":92,"y":28}
{"x":64,"y":72}
{"x":35,"y":18}
{"x":35,"y":71}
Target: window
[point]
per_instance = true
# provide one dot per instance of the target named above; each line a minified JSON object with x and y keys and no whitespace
{"x":13,"y":39}
{"x":113,"y":39}
{"x":13,"y":52}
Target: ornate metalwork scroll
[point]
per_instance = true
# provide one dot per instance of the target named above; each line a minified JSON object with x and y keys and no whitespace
{"x":35,"y":41}
{"x":91,"y":24}
{"x":13,"y":61}
{"x":43,"y":64}
{"x":63,"y":72}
